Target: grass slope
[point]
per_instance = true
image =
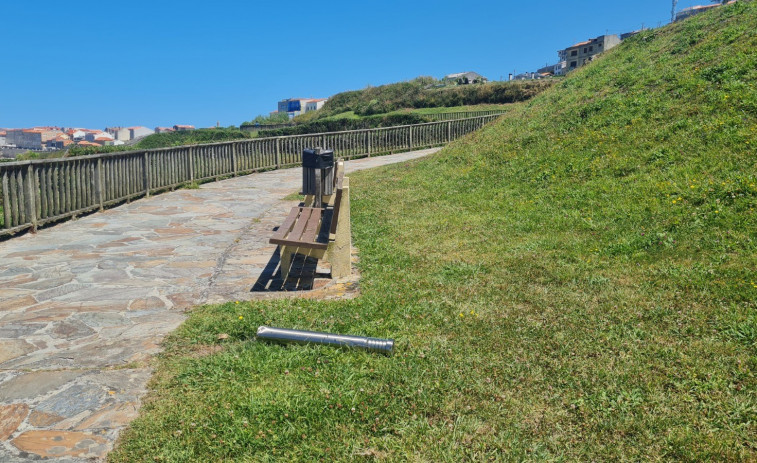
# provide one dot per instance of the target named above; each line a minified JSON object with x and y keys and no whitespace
{"x":574,"y":282}
{"x":417,"y":94}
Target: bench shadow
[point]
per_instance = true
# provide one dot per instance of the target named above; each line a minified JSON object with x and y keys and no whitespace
{"x":302,"y":275}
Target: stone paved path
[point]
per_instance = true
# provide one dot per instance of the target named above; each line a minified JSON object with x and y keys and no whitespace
{"x":83,"y":305}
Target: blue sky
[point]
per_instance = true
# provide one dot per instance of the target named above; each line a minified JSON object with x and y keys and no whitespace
{"x":96,"y":64}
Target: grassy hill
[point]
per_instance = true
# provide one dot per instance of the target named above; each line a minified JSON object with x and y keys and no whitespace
{"x":420,"y":93}
{"x":575,"y":282}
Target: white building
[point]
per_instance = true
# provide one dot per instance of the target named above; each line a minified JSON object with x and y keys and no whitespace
{"x":98,"y":136}
{"x":139,"y":132}
{"x":297,"y":106}
{"x":119,"y":133}
{"x":463,"y":78}
{"x":315,"y":104}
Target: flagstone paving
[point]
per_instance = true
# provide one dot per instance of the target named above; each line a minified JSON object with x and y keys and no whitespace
{"x":85,"y":304}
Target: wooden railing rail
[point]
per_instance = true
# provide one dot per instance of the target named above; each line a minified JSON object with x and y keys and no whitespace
{"x":465,"y":114}
{"x":39,"y":192}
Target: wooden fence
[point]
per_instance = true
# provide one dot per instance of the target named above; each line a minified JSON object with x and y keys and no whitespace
{"x":39,"y":192}
{"x":465,"y":114}
{"x":259,"y":127}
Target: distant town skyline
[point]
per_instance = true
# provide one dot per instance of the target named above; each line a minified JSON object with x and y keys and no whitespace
{"x":163,"y":62}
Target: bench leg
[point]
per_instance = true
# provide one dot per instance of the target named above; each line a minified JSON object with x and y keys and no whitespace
{"x":285,"y":263}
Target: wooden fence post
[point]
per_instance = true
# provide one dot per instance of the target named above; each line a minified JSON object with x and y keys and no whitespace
{"x":368,"y":137}
{"x":278,"y":152}
{"x":32,"y":194}
{"x":449,"y":131}
{"x":146,"y":177}
{"x":191,"y":164}
{"x":234,"y":157}
{"x":410,"y":129}
{"x":6,"y":201}
{"x":99,"y":182}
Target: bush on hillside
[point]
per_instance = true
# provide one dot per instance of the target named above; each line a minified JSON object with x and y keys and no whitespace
{"x":338,"y":125}
{"x":418,"y":94}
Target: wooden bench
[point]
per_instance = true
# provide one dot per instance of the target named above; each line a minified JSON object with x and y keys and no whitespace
{"x":320,"y":232}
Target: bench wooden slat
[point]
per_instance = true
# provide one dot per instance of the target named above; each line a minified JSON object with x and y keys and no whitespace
{"x":285,"y":227}
{"x":300,"y":244}
{"x":312,"y":226}
{"x":299,"y":226}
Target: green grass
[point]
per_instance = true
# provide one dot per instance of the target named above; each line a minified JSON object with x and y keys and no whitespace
{"x":424,"y":111}
{"x":455,"y":109}
{"x":420,"y":93}
{"x":575,"y":282}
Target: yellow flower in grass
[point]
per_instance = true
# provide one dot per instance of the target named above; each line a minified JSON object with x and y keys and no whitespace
{"x":241,"y":317}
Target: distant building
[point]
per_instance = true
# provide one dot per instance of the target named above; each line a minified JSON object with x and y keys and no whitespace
{"x":530,"y":76}
{"x":315,"y":104}
{"x":581,"y":53}
{"x":695,"y":10}
{"x":180,"y":128}
{"x":463,"y":78}
{"x":31,"y":139}
{"x":128,"y":133}
{"x":61,"y":141}
{"x":548,"y":69}
{"x":76,"y":134}
{"x":98,"y":137}
{"x":139,"y":132}
{"x":629,"y":34}
{"x":3,"y":133}
{"x":296,"y":106}
{"x":119,"y":133}
{"x":164,"y":129}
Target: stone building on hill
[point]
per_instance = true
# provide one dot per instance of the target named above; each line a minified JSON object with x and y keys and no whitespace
{"x":464,"y":78}
{"x":581,"y":53}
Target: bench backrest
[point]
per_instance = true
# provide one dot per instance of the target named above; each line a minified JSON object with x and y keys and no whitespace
{"x":339,"y":174}
{"x":337,"y":204}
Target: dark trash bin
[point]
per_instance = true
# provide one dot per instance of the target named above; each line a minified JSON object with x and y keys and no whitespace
{"x":317,"y":159}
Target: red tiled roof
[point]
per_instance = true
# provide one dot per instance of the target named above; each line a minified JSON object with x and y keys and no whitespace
{"x":579,"y":44}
